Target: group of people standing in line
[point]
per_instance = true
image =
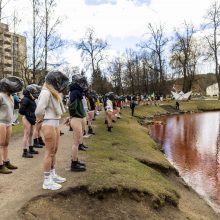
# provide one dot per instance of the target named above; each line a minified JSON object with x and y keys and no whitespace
{"x":41,"y":109}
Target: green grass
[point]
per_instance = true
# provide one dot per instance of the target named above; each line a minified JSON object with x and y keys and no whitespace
{"x":17,"y":129}
{"x":113,"y":160}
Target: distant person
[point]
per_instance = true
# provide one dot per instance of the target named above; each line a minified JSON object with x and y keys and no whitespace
{"x":177,"y":105}
{"x":132,"y":105}
{"x":109,"y":110}
{"x":17,"y":101}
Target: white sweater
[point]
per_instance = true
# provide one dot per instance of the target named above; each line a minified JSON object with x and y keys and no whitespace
{"x":109,"y":106}
{"x":48,"y":107}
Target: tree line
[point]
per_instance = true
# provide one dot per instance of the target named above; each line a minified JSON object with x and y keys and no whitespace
{"x":148,"y":68}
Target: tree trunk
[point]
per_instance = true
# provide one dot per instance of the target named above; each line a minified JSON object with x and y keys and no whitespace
{"x":46,"y":37}
{"x":34,"y":42}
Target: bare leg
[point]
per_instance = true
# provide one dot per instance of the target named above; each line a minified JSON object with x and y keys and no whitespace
{"x":50,"y":134}
{"x":3,"y":133}
{"x":76,"y":124}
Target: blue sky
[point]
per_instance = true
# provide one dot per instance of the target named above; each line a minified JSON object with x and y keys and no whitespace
{"x":113,"y":2}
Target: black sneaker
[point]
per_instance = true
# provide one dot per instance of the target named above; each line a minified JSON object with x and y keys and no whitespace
{"x":90,"y":131}
{"x":37,"y":143}
{"x":26,"y":154}
{"x":82,"y":147}
{"x":80,"y":163}
{"x":40,"y":141}
{"x":75,"y":166}
{"x":32,"y":151}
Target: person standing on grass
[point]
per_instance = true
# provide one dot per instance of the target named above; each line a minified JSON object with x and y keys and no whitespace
{"x":8,"y":86}
{"x":132,"y":105}
{"x":91,"y":110}
{"x":109,"y":110}
{"x":177,"y":105}
{"x":77,"y":113}
{"x":49,"y":110}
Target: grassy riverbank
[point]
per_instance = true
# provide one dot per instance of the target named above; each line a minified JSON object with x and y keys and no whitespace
{"x":127,"y":178}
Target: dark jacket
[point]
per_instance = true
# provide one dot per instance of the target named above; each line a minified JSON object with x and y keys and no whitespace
{"x":76,"y":108}
{"x":28,"y":107}
{"x":132,"y":103}
{"x":92,"y":103}
{"x":16,"y":101}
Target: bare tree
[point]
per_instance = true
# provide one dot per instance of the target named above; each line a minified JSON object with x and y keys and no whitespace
{"x":185,"y":54}
{"x":92,"y":50}
{"x":156,"y":46}
{"x":35,"y":13}
{"x":51,"y":40}
{"x":116,"y":70}
{"x":212,"y":24}
{"x":3,"y":4}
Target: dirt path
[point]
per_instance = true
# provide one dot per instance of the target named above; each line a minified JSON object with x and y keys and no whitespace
{"x":26,"y":182}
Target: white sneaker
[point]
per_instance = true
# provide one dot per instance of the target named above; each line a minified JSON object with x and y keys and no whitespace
{"x":58,"y":179}
{"x":51,"y":185}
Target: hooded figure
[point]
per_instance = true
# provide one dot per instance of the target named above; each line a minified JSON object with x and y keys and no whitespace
{"x":11,"y":84}
{"x":49,"y":110}
{"x":77,"y":112}
{"x":55,"y":83}
{"x":109,"y":101}
{"x":77,"y":87}
{"x":28,"y":105}
{"x":110,"y":95}
{"x":7,"y":87}
{"x":34,"y":90}
{"x":27,"y":109}
{"x":91,"y":97}
{"x":58,"y":80}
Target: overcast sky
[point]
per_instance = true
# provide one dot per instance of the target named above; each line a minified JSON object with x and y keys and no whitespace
{"x":121,"y":22}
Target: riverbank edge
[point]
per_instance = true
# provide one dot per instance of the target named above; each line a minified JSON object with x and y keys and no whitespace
{"x":146,"y":121}
{"x":93,"y":187}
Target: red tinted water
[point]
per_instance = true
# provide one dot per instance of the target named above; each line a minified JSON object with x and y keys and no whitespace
{"x":192,"y":144}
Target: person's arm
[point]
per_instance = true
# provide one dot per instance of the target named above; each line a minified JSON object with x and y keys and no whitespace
{"x":42,"y":104}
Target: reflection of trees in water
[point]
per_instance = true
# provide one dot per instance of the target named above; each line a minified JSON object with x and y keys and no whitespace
{"x":180,"y":138}
{"x":217,"y":166}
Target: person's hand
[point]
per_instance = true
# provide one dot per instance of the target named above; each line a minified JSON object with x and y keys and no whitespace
{"x":38,"y":121}
{"x":67,"y":121}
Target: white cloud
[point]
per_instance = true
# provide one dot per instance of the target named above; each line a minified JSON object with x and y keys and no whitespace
{"x":116,"y":19}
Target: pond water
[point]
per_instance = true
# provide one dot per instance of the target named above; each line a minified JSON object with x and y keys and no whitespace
{"x":192,"y":144}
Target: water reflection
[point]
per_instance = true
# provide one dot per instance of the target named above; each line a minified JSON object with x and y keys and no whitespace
{"x":191,"y":143}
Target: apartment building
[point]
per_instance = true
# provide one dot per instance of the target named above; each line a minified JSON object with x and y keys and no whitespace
{"x":13,"y":53}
